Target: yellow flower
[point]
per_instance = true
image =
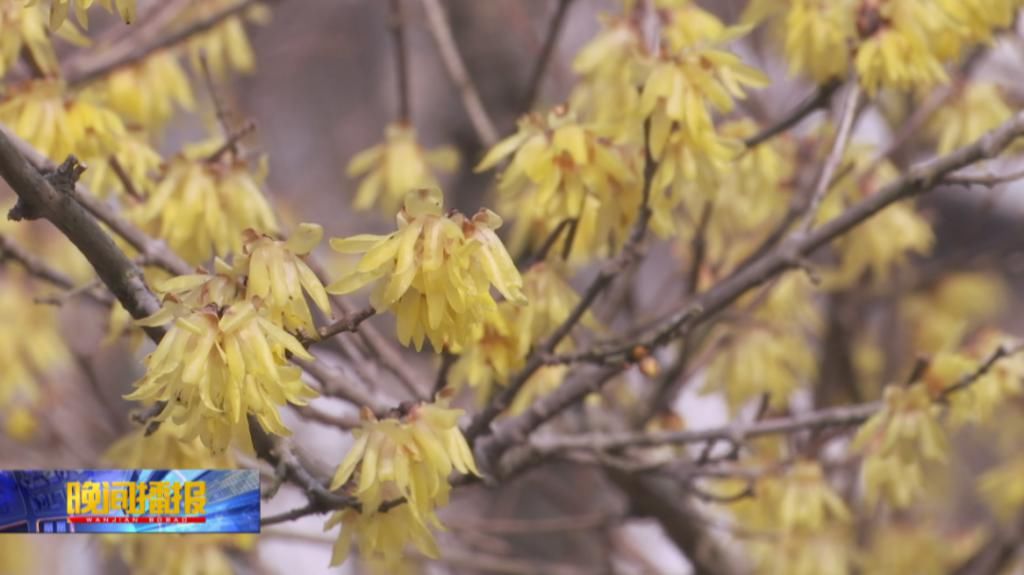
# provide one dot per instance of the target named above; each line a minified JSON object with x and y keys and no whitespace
{"x":956,"y":305}
{"x":900,"y":547}
{"x":147,"y":93}
{"x":380,"y":537}
{"x":164,"y":449}
{"x":30,"y":341}
{"x":897,"y":442}
{"x":24,"y":29}
{"x":772,"y":359}
{"x":58,"y":125}
{"x":897,"y":59}
{"x":999,"y":386}
{"x":885,"y":241}
{"x":277,"y":276}
{"x":981,"y":17}
{"x":201,"y":207}
{"x":560,"y":170}
{"x":501,"y":347}
{"x":226,"y":46}
{"x":17,"y":553}
{"x":977,"y":110}
{"x":21,"y":424}
{"x":818,"y":38}
{"x":685,"y":87}
{"x":59,"y":9}
{"x":807,"y":500}
{"x":435,"y":272}
{"x":396,"y":167}
{"x":175,"y":554}
{"x":215,"y":366}
{"x":1002,"y":489}
{"x":138,"y":160}
{"x":411,"y":457}
{"x":610,"y":70}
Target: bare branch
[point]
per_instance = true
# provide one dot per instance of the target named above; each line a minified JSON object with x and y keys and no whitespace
{"x":828,"y":171}
{"x":396,"y":23}
{"x":547,"y":50}
{"x":456,"y":67}
{"x":812,"y":103}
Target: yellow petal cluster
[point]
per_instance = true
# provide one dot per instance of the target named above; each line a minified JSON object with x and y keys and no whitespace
{"x":58,"y":125}
{"x":175,"y":554}
{"x":24,"y":29}
{"x":164,"y":448}
{"x":136,"y":157}
{"x":397,"y":166}
{"x":226,"y":46}
{"x":941,"y":316}
{"x":610,"y":67}
{"x":411,"y":457}
{"x":897,"y":443}
{"x":435,"y":272}
{"x":500,"y":348}
{"x":563,"y":169}
{"x":277,"y":276}
{"x":59,"y":10}
{"x":30,"y":342}
{"x":149,"y":93}
{"x":201,"y":207}
{"x":978,"y":109}
{"x":216,"y":366}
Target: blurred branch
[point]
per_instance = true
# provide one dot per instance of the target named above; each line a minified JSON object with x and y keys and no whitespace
{"x":456,"y":67}
{"x":91,"y":71}
{"x":818,"y":99}
{"x":396,"y":23}
{"x":547,"y":51}
{"x":10,"y":251}
{"x":828,"y":171}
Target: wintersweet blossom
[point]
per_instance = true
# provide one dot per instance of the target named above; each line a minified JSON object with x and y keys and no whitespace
{"x":396,"y":166}
{"x":150,"y":92}
{"x":278,"y":276}
{"x":435,"y":272}
{"x":216,"y":366}
{"x":897,"y":443}
{"x":202,"y":207}
{"x":410,"y":456}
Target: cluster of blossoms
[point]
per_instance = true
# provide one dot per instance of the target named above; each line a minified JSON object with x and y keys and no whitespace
{"x":899,"y":44}
{"x":499,"y":347}
{"x":408,"y":456}
{"x":435,"y":272}
{"x":225,"y":355}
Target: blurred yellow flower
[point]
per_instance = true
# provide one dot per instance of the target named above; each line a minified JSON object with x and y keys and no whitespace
{"x":200,"y":208}
{"x":897,"y":442}
{"x":147,"y":94}
{"x":59,"y":9}
{"x":24,"y":28}
{"x":396,"y":167}
{"x":177,"y":554}
{"x":978,"y":109}
{"x":59,"y":125}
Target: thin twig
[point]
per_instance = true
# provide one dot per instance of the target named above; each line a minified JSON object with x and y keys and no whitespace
{"x":456,"y":67}
{"x":105,"y":66}
{"x":547,"y":50}
{"x":812,"y":103}
{"x":396,"y":23}
{"x":835,"y":156}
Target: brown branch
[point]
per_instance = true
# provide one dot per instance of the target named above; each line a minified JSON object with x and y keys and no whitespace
{"x":456,"y":67}
{"x":10,"y":251}
{"x":815,"y":101}
{"x":349,"y":323}
{"x":396,"y":24}
{"x":835,"y":156}
{"x":77,"y":78}
{"x":547,"y":50}
{"x":53,"y":199}
{"x":152,"y":250}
